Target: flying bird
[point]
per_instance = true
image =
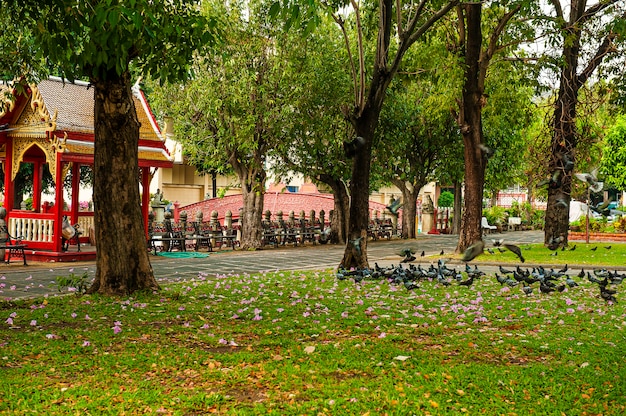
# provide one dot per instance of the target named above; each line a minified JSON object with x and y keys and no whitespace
{"x":394,"y":206}
{"x":591,"y":180}
{"x":515,"y":250}
{"x":497,"y":243}
{"x":473,"y":250}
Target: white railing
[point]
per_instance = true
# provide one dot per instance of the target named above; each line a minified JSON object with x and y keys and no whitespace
{"x":42,"y":230}
{"x":32,"y":229}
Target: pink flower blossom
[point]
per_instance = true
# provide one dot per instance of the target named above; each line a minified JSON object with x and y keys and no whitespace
{"x":33,"y":323}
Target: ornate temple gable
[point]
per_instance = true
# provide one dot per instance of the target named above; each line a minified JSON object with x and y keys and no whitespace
{"x":21,"y":146}
{"x":35,"y":120}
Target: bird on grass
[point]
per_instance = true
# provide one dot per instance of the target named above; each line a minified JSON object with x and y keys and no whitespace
{"x":527,"y":290}
{"x":490,"y":251}
{"x":423,"y":253}
{"x":505,"y":271}
{"x":608,"y":247}
{"x":563,"y":269}
{"x":515,"y":250}
{"x":594,"y":248}
{"x":582,"y":273}
{"x":573,"y":248}
{"x":467,"y":282}
{"x":570,"y":282}
{"x":441,"y":253}
{"x":473,"y":251}
{"x":555,"y":253}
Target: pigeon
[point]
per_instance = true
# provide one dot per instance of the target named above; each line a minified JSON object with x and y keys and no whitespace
{"x":555,"y":242}
{"x":351,"y":148}
{"x":394,"y":206}
{"x":467,"y":282}
{"x":573,"y":248}
{"x":563,"y":269}
{"x":561,"y":202}
{"x":408,"y":259}
{"x":582,"y":273}
{"x":410,"y":285}
{"x":591,"y":180}
{"x":497,"y":243}
{"x":501,"y":279}
{"x":594,"y":248}
{"x":570,"y":282}
{"x":608,"y":247}
{"x":555,"y":253}
{"x":488,"y":152}
{"x":473,"y":250}
{"x":515,"y":250}
{"x":441,"y":253}
{"x":505,"y":271}
{"x":568,"y":163}
{"x":490,"y":251}
{"x":543,"y":288}
{"x":423,"y":253}
{"x":528,"y":290}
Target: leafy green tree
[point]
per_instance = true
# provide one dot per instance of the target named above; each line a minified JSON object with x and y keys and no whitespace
{"x":505,"y":119}
{"x":585,"y":35}
{"x":614,"y":155}
{"x":232,"y":114}
{"x":390,"y":29}
{"x":99,"y":40}
{"x":415,"y":134}
{"x":314,"y":131}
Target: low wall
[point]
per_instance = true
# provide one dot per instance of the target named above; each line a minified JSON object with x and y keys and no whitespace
{"x":581,"y":236}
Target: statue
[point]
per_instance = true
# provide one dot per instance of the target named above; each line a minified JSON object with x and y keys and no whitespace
{"x":429,"y":206}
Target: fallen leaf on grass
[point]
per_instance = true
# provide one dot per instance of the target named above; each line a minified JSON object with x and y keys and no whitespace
{"x":310,"y":349}
{"x":401,"y":357}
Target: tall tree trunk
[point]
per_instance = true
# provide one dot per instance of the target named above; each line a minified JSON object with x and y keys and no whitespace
{"x":341,"y":209}
{"x":122,"y":263}
{"x":355,"y":254}
{"x":470,"y":122}
{"x":252,"y":189}
{"x":409,"y":206}
{"x":564,"y":140}
{"x":457,"y":213}
{"x":565,"y":135}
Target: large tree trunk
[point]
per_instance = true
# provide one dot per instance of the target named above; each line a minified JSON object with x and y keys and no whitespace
{"x":457,"y":211}
{"x":409,"y":206}
{"x":564,"y":138}
{"x":355,"y":254}
{"x":470,"y":122}
{"x":341,"y":209}
{"x":122,"y":263}
{"x":253,"y":199}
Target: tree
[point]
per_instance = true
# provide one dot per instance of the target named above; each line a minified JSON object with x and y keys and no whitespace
{"x":99,"y":40}
{"x":614,"y":155}
{"x":314,"y":130}
{"x":477,"y":60}
{"x":415,"y":137}
{"x":233,"y":111}
{"x":409,"y":23}
{"x":586,"y":37}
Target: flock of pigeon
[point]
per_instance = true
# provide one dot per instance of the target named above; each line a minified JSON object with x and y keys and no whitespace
{"x":546,"y":280}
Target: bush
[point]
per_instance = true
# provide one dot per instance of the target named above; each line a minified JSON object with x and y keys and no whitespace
{"x":495,"y":215}
{"x":446,"y":199}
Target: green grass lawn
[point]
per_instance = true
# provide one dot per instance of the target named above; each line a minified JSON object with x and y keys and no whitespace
{"x":605,"y":254}
{"x":306,"y":343}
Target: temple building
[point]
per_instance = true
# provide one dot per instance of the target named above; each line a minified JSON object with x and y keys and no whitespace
{"x":46,"y":147}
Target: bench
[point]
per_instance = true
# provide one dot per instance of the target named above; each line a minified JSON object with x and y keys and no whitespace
{"x":486,"y":227}
{"x":168,"y":238}
{"x":515,"y":223}
{"x":12,"y":245}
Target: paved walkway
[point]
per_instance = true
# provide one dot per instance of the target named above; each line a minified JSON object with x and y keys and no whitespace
{"x":38,"y":279}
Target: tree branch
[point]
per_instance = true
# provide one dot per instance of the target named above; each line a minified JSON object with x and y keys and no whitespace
{"x":604,"y":49}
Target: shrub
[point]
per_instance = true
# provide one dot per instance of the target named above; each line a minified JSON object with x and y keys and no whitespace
{"x":446,"y":199}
